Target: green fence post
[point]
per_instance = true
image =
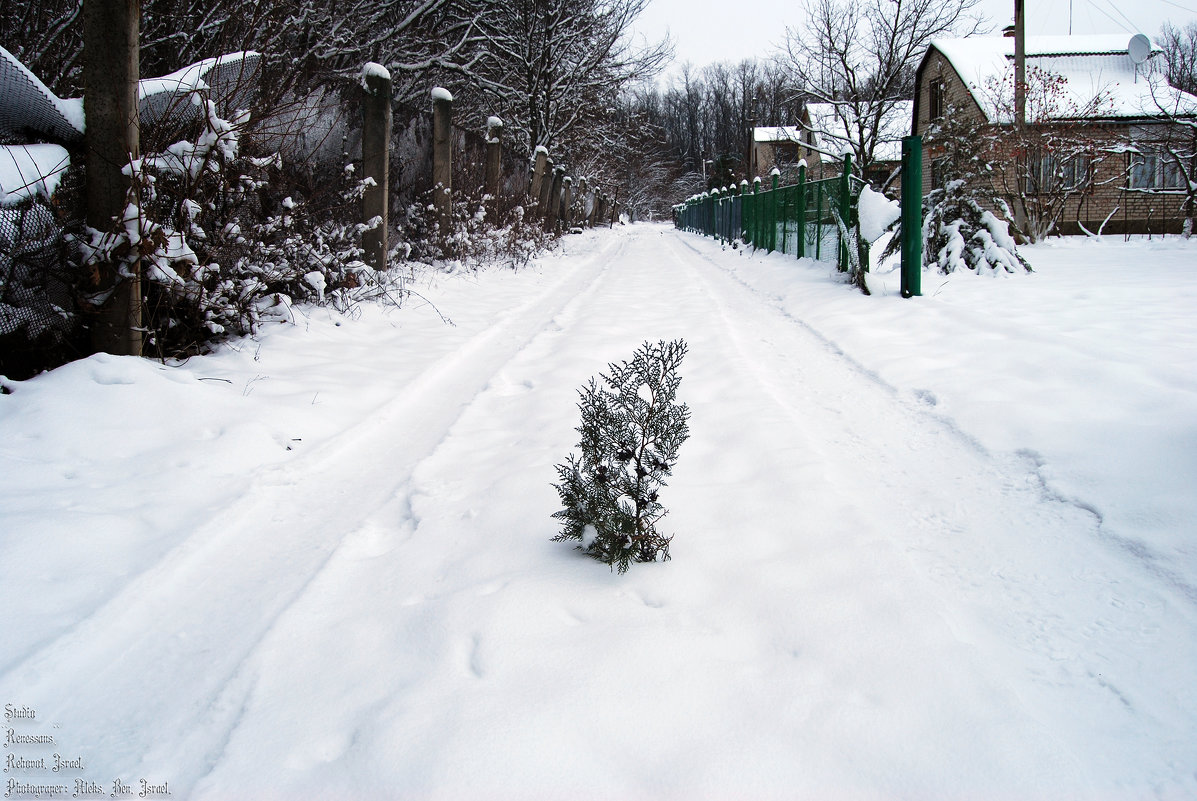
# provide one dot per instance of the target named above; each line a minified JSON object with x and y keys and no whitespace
{"x":743,"y":213}
{"x":845,"y":210}
{"x":786,"y":195}
{"x":912,"y":216}
{"x":802,"y":208}
{"x":776,"y":176}
{"x":756,"y":211}
{"x":819,"y":219}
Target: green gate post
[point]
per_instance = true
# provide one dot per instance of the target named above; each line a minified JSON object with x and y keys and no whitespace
{"x":802,"y":208}
{"x":912,"y":216}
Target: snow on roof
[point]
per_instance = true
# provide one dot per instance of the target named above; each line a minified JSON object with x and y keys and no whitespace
{"x":783,"y":133}
{"x":833,"y":124}
{"x":1097,"y":69}
{"x":30,"y":170}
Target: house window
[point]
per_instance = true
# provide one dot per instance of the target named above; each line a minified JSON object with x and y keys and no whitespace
{"x":1047,"y":173}
{"x":938,"y":169}
{"x":935,"y":98}
{"x":1153,"y":168}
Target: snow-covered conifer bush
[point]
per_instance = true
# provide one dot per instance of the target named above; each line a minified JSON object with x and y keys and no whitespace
{"x":959,"y":229}
{"x":631,"y":431}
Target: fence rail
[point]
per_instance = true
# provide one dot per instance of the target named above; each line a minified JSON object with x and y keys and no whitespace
{"x":809,"y":219}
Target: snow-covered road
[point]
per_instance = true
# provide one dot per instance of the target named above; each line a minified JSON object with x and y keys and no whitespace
{"x":863,"y":601}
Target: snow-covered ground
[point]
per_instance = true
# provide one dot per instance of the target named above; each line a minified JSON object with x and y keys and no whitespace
{"x":929,"y":548}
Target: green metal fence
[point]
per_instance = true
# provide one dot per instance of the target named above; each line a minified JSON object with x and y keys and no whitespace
{"x":810,"y":219}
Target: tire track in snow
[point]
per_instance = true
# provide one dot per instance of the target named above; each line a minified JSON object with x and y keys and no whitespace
{"x":223,"y":589}
{"x":1151,"y":561}
{"x":1007,"y":554}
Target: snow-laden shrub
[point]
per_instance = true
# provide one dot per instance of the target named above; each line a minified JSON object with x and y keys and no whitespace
{"x":222,"y":249}
{"x":479,"y":232}
{"x":959,"y":230}
{"x":631,"y":431}
{"x":959,"y":234}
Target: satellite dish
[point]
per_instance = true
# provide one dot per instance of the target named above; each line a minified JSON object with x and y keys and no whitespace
{"x":1139,"y":48}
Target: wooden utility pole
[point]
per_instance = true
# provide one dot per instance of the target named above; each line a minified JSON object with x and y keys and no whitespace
{"x":110,"y":70}
{"x":1020,"y":68}
{"x":1020,"y":111}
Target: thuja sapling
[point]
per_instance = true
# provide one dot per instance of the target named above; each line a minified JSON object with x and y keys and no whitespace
{"x":631,"y":431}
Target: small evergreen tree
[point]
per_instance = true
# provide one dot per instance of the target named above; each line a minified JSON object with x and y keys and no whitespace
{"x":631,"y":431}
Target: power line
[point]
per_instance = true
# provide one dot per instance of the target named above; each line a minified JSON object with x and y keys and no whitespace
{"x":1133,"y":27}
{"x":1178,"y":5}
{"x":1106,"y":14}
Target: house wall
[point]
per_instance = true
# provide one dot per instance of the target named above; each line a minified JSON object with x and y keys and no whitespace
{"x":1128,"y":210}
{"x":785,"y":156}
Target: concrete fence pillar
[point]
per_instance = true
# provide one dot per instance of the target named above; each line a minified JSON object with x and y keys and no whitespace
{"x":546,"y":187}
{"x":442,"y":154}
{"x":540,"y":165}
{"x":567,"y":202}
{"x":376,"y":149}
{"x":494,"y":156}
{"x":110,"y":71}
{"x":553,"y":209}
{"x":582,"y":190}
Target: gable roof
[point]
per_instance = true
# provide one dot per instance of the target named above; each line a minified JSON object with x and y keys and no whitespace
{"x":1097,"y":73}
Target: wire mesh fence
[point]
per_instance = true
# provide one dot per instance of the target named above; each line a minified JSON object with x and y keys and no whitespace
{"x":809,"y":219}
{"x":38,"y":318}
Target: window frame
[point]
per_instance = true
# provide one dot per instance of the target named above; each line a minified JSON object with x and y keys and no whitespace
{"x":936,"y":97}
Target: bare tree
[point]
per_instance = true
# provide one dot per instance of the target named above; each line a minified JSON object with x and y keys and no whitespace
{"x":1180,"y":52}
{"x":306,"y":40}
{"x":1165,"y":155}
{"x":556,"y":67}
{"x":860,"y":57}
{"x":1052,"y":161}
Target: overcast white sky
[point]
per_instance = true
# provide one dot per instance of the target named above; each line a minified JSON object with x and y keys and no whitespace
{"x":732,"y":30}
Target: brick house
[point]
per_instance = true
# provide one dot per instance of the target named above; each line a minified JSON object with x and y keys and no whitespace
{"x":1125,"y":180}
{"x":784,"y":147}
{"x":836,"y":130}
{"x":822,"y":136}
